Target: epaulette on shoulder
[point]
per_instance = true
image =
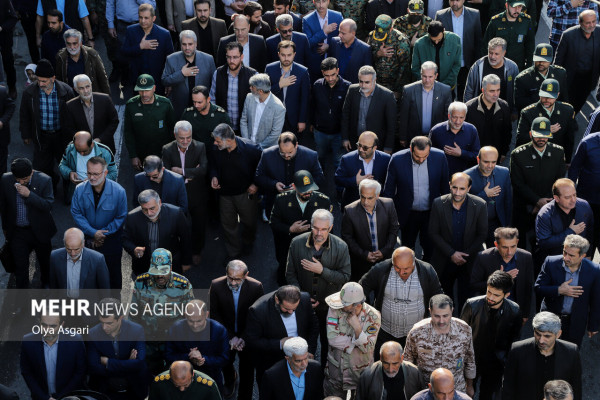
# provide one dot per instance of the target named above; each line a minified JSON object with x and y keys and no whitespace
{"x":566,"y":104}
{"x":180,"y":279}
{"x":556,"y":146}
{"x":165,"y":376}
{"x":530,"y":106}
{"x":324,"y":196}
{"x":220,"y":109}
{"x":558,"y":67}
{"x":526,"y":15}
{"x":134,"y":99}
{"x":520,"y":148}
{"x":496,"y":16}
{"x":205,"y":381}
{"x":142,"y":277}
{"x":189,"y":109}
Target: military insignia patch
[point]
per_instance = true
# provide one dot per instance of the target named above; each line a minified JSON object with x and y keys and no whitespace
{"x":549,"y":87}
{"x":544,"y":52}
{"x":459,"y":364}
{"x":306,"y":180}
{"x":372,"y":329}
{"x":332,"y":321}
{"x":543,"y":125}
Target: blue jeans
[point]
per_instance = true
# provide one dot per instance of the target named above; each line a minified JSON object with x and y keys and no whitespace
{"x":326,"y":143}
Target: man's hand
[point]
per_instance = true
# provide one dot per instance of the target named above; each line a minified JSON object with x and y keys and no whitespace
{"x":73,"y":177}
{"x":282,"y":341}
{"x":136,"y":163}
{"x":414,"y":39}
{"x":38,"y":40}
{"x":493,"y":192}
{"x":385,"y":51}
{"x":459,"y":258}
{"x":572,"y":291}
{"x":177,"y":170}
{"x":194,"y":353}
{"x":577,"y":3}
{"x":148,"y":44}
{"x":280,"y":187}
{"x":186,"y":267}
{"x":322,"y":48}
{"x":347,"y":145}
{"x":238,"y":6}
{"x":112,"y":32}
{"x":133,"y":354}
{"x":189,"y":70}
{"x":590,"y":334}
{"x":214,"y":183}
{"x":104,"y":360}
{"x":285,"y":82}
{"x":301,"y":127}
{"x":355,"y":324}
{"x":314,"y":303}
{"x":359,"y":177}
{"x":299,"y":226}
{"x":470,"y":390}
{"x":139,"y":252}
{"x":453,"y":151}
{"x":313,"y":266}
{"x":541,"y":203}
{"x":554,"y":128}
{"x":99,"y":236}
{"x":26,"y":141}
{"x":403,"y":143}
{"x":252,"y":189}
{"x":378,"y":255}
{"x":22,"y":190}
{"x":329,"y":28}
{"x":513,"y":272}
{"x":374,"y":256}
{"x":577,"y":228}
{"x":171,"y":28}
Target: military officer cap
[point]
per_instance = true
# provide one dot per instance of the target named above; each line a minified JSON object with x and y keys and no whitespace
{"x":540,"y":128}
{"x":304,"y":182}
{"x":543,"y":52}
{"x":382,"y":27}
{"x":144,"y":82}
{"x":516,"y":3}
{"x":549,"y":88}
{"x":351,"y":293}
{"x":416,"y":6}
{"x":160,"y":262}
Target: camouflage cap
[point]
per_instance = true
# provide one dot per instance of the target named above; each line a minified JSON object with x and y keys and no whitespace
{"x":540,"y":128}
{"x":382,"y":27}
{"x":549,"y":88}
{"x":144,"y":82}
{"x":416,"y":6}
{"x":543,"y":52}
{"x":160,"y":262}
{"x":304,"y":182}
{"x":351,"y":293}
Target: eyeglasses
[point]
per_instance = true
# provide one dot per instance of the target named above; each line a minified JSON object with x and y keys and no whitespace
{"x":94,"y":174}
{"x":284,"y":31}
{"x":361,"y":146}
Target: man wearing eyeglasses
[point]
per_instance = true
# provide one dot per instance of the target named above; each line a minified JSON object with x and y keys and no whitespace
{"x":169,"y":185}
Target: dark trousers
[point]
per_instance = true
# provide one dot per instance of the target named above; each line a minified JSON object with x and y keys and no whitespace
{"x":22,"y":242}
{"x":321,"y":313}
{"x":565,"y":326}
{"x":461,"y":82}
{"x":417,"y":224}
{"x":596,"y":244}
{"x":3,"y":157}
{"x":198,"y":220}
{"x":28,"y":23}
{"x":493,"y":224}
{"x":246,"y":373}
{"x":383,"y":337}
{"x":112,"y":256}
{"x":244,"y":206}
{"x":580,"y":90}
{"x":47,"y":153}
{"x":461,"y":275}
{"x":282,"y":247}
{"x":8,"y":60}
{"x":121,"y":63}
{"x":524,"y":221}
{"x":490,"y":382}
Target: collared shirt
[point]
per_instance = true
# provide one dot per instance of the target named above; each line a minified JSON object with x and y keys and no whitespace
{"x":246,"y":53}
{"x":60,"y":6}
{"x":402,"y":305}
{"x":232,"y":97}
{"x":564,"y":16}
{"x":260,"y":108}
{"x":365,"y":102}
{"x":323,"y":22}
{"x":301,"y":203}
{"x":73,"y":276}
{"x":540,"y":153}
{"x":459,"y":222}
{"x":89,"y":114}
{"x":298,"y":383}
{"x":153,"y":235}
{"x":568,"y":300}
{"x":22,"y":217}
{"x":50,"y":356}
{"x":458,"y":24}
{"x":420,"y":173}
{"x":433,"y":7}
{"x":182,"y":159}
{"x":344,"y":56}
{"x":290,"y":323}
{"x":372,"y":220}
{"x":189,"y":8}
{"x":81,"y":167}
{"x":368,"y":166}
{"x":49,"y":113}
{"x":75,"y":68}
{"x":285,"y":74}
{"x":427,"y":110}
{"x":124,"y":10}
{"x":549,"y":112}
{"x":236,"y":300}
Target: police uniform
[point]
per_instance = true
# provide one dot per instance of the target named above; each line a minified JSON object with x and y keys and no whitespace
{"x":355,"y":10}
{"x":203,"y":125}
{"x":519,"y":36}
{"x":201,"y":387}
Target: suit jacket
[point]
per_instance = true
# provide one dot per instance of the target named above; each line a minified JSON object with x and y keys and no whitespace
{"x":174,"y":234}
{"x":440,"y":230}
{"x":172,"y":76}
{"x":195,"y":168}
{"x":106,"y":119}
{"x":519,"y":373}
{"x":262,"y":29}
{"x":39,"y":205}
{"x":173,"y":189}
{"x":471,"y":32}
{"x":489,"y":260}
{"x":503,"y":202}
{"x":93,"y":275}
{"x":258,"y":51}
{"x":302,"y":48}
{"x":399,"y":180}
{"x":411,"y":109}
{"x":297,"y":95}
{"x":585,"y":311}
{"x":70,"y":365}
{"x":345,"y":175}
{"x":361,"y":55}
{"x":312,"y":28}
{"x":265,"y":329}
{"x":271,"y":121}
{"x":218,"y":29}
{"x":276,"y":383}
{"x":381,"y":116}
{"x":222,"y":307}
{"x":269,"y":17}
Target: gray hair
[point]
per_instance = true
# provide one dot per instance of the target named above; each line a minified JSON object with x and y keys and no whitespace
{"x":79,"y":231}
{"x":370,"y":184}
{"x":81,"y":78}
{"x":367,"y":70}
{"x":69,"y":33}
{"x":440,"y":301}
{"x":497,"y":42}
{"x":148,"y":195}
{"x":188,"y":34}
{"x":491,"y":79}
{"x":351,"y":23}
{"x":429,"y":65}
{"x":392,"y":346}
{"x":283,"y":20}
{"x":295,"y":345}
{"x":546,"y":321}
{"x":557,"y":390}
{"x":236,"y":265}
{"x":322,"y":214}
{"x":261,"y":82}
{"x":152,"y":163}
{"x":577,"y":242}
{"x":457,"y":106}
{"x":223,"y":131}
{"x":183,"y":126}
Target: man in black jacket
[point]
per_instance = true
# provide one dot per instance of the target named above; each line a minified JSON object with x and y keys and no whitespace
{"x":496,"y":324}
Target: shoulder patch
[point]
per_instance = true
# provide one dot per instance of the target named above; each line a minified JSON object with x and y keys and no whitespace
{"x":142,"y":277}
{"x":372,"y":329}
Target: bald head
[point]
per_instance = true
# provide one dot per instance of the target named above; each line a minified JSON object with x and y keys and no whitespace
{"x":181,"y":374}
{"x":487,"y":159}
{"x":83,"y":142}
{"x":403,"y":260}
{"x":442,"y":384}
{"x":74,"y":241}
{"x":488,"y":151}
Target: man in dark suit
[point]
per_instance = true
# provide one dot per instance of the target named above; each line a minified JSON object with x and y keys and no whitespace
{"x":285,"y":31}
{"x":507,"y":257}
{"x":169,"y":185}
{"x":193,"y":170}
{"x":253,"y":11}
{"x":378,"y":113}
{"x":230,"y":298}
{"x":544,"y":357}
{"x":282,"y":7}
{"x":419,"y":166}
{"x":26,"y":199}
{"x":210,"y":30}
{"x":170,"y":231}
{"x":369,"y":228}
{"x":256,"y":56}
{"x":74,"y":267}
{"x":278,"y":383}
{"x":276,"y":317}
{"x":569,"y":285}
{"x":52,"y":363}
{"x":457,"y":230}
{"x":351,"y":52}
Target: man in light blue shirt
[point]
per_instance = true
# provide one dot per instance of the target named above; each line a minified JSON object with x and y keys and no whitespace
{"x":75,"y":18}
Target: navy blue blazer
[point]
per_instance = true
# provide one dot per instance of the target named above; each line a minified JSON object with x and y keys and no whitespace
{"x":269,"y":17}
{"x":361,"y":55}
{"x":271,"y":168}
{"x":173,"y":189}
{"x":94,"y":272}
{"x":399,"y":180}
{"x":585,"y":168}
{"x":297,"y":95}
{"x":315,"y":34}
{"x":302,"y":48}
{"x":585,"y":312}
{"x":501,"y":178}
{"x":345,"y":175}
{"x":70,"y":365}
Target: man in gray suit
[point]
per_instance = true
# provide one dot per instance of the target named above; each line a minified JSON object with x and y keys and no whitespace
{"x":415,"y":118}
{"x":263,"y":115}
{"x":75,"y":267}
{"x":186,"y":69}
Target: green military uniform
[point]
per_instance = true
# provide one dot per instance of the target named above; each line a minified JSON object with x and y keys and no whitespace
{"x":201,"y":388}
{"x":355,"y":10}
{"x":302,"y":7}
{"x":519,"y":36}
{"x":529,"y":8}
{"x":203,"y":125}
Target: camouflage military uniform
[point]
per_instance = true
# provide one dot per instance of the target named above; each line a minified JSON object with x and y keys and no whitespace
{"x":402,"y":24}
{"x":430,"y":350}
{"x":302,"y":7}
{"x":356,"y":10}
{"x":348,"y":357}
{"x":201,"y":387}
{"x":391,"y":70}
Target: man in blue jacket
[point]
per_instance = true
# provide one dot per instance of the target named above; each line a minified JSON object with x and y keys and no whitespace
{"x":169,"y":185}
{"x":351,"y":52}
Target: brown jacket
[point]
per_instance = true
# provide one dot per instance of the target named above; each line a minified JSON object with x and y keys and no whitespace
{"x":93,"y":68}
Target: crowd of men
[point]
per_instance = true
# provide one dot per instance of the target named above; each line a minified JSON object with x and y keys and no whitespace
{"x":243,"y":107}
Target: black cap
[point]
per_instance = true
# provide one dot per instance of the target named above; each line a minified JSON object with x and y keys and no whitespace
{"x":21,"y":168}
{"x":44,"y":69}
{"x":304,"y":182}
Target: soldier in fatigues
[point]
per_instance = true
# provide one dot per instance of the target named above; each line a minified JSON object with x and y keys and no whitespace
{"x":517,"y":29}
{"x":528,"y":82}
{"x":414,"y":24}
{"x":391,"y":54}
{"x":355,"y":10}
{"x":183,"y":382}
{"x":149,"y":122}
{"x":204,"y":121}
{"x":352,"y":328}
{"x":563,"y":125}
{"x":302,"y":7}
{"x":152,"y":291}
